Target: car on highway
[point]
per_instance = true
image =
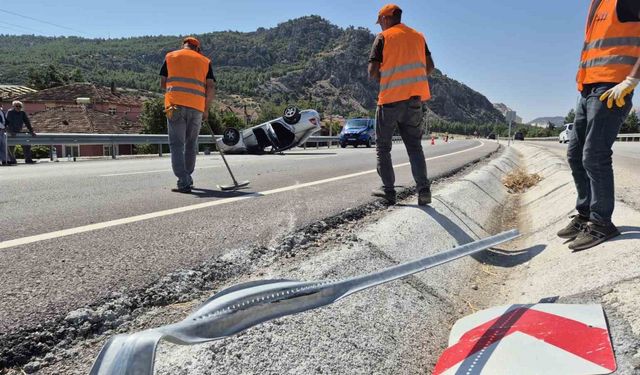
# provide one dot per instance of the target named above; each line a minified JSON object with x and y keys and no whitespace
{"x":519,"y":136}
{"x":566,"y":135}
{"x":358,"y":131}
{"x":281,"y":134}
{"x":491,"y":136}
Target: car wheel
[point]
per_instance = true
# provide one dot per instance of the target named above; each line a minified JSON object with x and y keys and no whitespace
{"x":368,"y":144}
{"x":231,"y":136}
{"x":291,"y":115}
{"x":343,"y":145}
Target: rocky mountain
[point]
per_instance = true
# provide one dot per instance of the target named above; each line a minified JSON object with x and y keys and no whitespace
{"x":305,"y":60}
{"x":503,"y":108}
{"x":543,"y":121}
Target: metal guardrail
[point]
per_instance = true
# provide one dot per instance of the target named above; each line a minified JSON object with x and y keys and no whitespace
{"x":51,"y":139}
{"x":240,"y":307}
{"x":634,"y":137}
{"x":74,"y":139}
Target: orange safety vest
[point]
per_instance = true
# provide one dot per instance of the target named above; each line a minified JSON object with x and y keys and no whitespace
{"x":403,"y":72}
{"x":186,"y":79}
{"x":611,"y":47}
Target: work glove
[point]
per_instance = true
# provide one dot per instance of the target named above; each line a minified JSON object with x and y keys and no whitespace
{"x":169,"y":111}
{"x":619,"y":92}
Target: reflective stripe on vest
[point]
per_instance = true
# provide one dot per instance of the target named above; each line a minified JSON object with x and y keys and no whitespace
{"x":611,"y":47}
{"x":189,"y":91}
{"x":609,"y":60}
{"x":613,"y":42}
{"x":402,"y":68}
{"x":186,"y":81}
{"x":403,"y":72}
{"x":403,"y":82}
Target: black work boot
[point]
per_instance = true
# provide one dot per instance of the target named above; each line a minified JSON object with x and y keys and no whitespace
{"x":592,"y":235}
{"x":572,"y":230}
{"x":424,"y":197}
{"x":388,"y":195}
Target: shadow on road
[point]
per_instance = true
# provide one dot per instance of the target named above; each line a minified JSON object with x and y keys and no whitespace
{"x":207,"y":193}
{"x":309,"y":153}
{"x":627,"y":233}
{"x":494,"y":257}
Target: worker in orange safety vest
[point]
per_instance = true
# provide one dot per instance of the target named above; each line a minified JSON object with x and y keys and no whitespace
{"x":189,"y":84}
{"x":401,"y":62}
{"x":609,"y":72}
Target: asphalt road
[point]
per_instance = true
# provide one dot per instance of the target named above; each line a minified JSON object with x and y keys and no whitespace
{"x":73,"y":233}
{"x":626,"y":158}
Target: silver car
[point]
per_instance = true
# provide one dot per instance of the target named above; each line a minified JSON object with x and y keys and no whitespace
{"x":286,"y":132}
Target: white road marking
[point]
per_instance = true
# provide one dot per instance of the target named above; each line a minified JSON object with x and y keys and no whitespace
{"x":179,"y":210}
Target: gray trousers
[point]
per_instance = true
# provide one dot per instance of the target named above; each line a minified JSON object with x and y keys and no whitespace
{"x":183,"y":130}
{"x":595,"y":130}
{"x":407,"y":117}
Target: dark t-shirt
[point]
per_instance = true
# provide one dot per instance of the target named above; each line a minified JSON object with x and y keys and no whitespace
{"x":165,"y":73}
{"x":629,"y":10}
{"x":378,"y":47}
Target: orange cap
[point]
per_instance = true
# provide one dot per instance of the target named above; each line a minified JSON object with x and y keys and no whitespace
{"x":387,"y":11}
{"x":191,"y":40}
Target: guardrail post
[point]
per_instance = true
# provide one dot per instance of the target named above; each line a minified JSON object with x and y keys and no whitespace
{"x":160,"y":150}
{"x":113,"y":151}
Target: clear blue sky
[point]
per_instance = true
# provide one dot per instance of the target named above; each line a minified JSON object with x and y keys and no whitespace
{"x":522,"y":53}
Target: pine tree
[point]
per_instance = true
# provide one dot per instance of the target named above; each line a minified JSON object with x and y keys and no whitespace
{"x":630,"y":125}
{"x":570,"y":117}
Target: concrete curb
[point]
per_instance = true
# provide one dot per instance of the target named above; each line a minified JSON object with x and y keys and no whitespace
{"x":607,"y":274}
{"x":401,"y":327}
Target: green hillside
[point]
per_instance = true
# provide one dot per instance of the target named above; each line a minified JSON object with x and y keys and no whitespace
{"x":303,"y":59}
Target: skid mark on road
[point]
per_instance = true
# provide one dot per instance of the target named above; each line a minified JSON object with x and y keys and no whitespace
{"x":154,"y":171}
{"x":214,"y":166}
{"x":180,"y":210}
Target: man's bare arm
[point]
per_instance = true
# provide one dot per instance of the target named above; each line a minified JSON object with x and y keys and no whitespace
{"x":374,"y":71}
{"x":430,"y":65}
{"x":211,"y":95}
{"x":635,"y":73}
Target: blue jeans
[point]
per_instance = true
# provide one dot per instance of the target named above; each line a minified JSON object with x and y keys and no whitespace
{"x":4,"y":151}
{"x":407,"y":116}
{"x":183,"y":129}
{"x":596,"y":129}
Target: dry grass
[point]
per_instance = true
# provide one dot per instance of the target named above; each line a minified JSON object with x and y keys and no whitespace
{"x":518,"y":181}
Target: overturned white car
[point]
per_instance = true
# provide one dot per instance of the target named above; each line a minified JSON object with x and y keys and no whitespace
{"x":291,"y":130}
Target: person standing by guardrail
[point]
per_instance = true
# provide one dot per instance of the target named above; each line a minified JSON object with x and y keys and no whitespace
{"x":16,"y":119}
{"x":3,"y":137}
{"x":401,"y":62}
{"x":609,"y":72}
{"x":189,"y":84}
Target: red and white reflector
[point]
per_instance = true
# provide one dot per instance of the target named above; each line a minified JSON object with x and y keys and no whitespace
{"x":528,"y":340}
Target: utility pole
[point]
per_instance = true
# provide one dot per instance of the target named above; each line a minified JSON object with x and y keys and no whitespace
{"x":511,"y":117}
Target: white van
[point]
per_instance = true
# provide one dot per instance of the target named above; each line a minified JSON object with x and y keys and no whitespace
{"x":566,"y":134}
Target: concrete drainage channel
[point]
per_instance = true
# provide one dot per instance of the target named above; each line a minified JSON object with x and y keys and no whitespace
{"x":402,"y":324}
{"x":400,"y":327}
